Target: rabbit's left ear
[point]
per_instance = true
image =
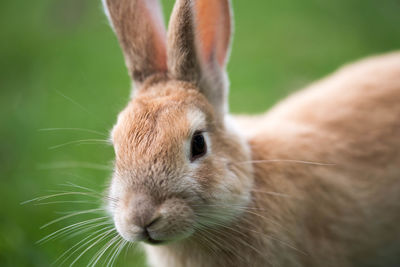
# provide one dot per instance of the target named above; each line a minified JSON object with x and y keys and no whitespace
{"x":140,"y":29}
{"x":199,"y":37}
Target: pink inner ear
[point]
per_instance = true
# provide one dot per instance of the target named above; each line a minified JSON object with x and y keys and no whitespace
{"x":213,"y":28}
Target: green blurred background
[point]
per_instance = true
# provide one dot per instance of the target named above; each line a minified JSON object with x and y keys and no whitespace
{"x":61,"y":67}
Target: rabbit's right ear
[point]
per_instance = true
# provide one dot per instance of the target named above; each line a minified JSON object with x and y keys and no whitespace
{"x":140,"y":29}
{"x":198,"y":46}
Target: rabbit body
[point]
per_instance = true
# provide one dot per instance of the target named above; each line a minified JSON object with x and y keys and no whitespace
{"x":313,"y":182}
{"x":326,"y":178}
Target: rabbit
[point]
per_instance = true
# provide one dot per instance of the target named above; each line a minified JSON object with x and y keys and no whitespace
{"x":315,"y":181}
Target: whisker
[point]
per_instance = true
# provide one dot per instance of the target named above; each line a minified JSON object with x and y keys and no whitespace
{"x":69,"y":212}
{"x":250,"y":223}
{"x":116,"y":252}
{"x":285,"y":160}
{"x":67,"y":201}
{"x":91,"y":190}
{"x":44,"y":239}
{"x":77,"y":244}
{"x":277,"y":194}
{"x":92,"y":245}
{"x":71,"y":215}
{"x":123,"y":246}
{"x":210,"y":241}
{"x":130,"y":245}
{"x":243,"y":242}
{"x":73,"y":129}
{"x":285,"y":243}
{"x":223,"y":245}
{"x":89,"y":228}
{"x":227,"y":207}
{"x":56,"y":195}
{"x":82,"y":142}
{"x":70,"y":184}
{"x":103,"y":250}
{"x":73,"y":101}
{"x":224,"y":212}
{"x":81,"y":107}
{"x":96,"y":195}
{"x":112,"y":251}
{"x":74,"y":164}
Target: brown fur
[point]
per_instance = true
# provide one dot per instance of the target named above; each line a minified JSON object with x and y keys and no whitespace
{"x":345,"y":213}
{"x":141,"y":33}
{"x":198,"y":46}
{"x":313,"y":182}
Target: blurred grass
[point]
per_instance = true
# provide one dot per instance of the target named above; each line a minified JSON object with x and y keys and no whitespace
{"x":61,"y":66}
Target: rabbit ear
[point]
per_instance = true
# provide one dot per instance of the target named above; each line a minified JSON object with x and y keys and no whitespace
{"x":198,"y":46}
{"x":140,"y":29}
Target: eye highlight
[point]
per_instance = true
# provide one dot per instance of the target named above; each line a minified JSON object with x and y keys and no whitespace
{"x":198,"y":147}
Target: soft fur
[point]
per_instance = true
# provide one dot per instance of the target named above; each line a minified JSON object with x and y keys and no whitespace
{"x":313,"y":182}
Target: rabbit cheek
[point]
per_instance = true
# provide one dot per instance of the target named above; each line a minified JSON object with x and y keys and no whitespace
{"x":128,"y":231}
{"x":141,"y":219}
{"x":175,"y":222}
{"x":132,"y":214}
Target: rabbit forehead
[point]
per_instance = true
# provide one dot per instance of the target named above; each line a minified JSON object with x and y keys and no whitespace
{"x":157,"y":127}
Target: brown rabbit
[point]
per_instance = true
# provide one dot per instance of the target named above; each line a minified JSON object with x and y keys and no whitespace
{"x":313,"y":182}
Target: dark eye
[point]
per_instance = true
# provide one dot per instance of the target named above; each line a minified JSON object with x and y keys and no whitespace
{"x":198,"y":146}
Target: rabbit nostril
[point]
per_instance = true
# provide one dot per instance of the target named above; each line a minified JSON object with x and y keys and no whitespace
{"x":152,"y":222}
{"x":146,"y":234}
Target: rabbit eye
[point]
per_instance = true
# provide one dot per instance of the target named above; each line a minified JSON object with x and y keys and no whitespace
{"x":198,"y":146}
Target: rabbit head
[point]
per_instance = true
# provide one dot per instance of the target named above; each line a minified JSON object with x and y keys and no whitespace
{"x":176,"y":149}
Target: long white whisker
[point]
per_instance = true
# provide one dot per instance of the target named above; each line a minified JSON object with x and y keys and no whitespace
{"x":72,"y":101}
{"x":225,"y":212}
{"x":88,"y":228}
{"x":57,"y":195}
{"x":90,"y":190}
{"x":249,"y":222}
{"x":238,"y":238}
{"x":210,"y":243}
{"x":71,"y":215}
{"x":115,"y":253}
{"x":241,"y":240}
{"x":130,"y":245}
{"x":70,"y":184}
{"x":284,"y":243}
{"x":65,"y":202}
{"x":82,"y":142}
{"x":74,"y":164}
{"x":92,"y":245}
{"x":112,"y":251}
{"x":123,"y":246}
{"x":286,"y":160}
{"x":103,"y":250}
{"x":44,"y":239}
{"x":96,"y":195}
{"x":80,"y":242}
{"x":73,"y":129}
{"x":277,"y":194}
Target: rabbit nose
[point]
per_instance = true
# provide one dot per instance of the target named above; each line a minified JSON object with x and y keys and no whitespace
{"x":143,"y":212}
{"x":153,"y":220}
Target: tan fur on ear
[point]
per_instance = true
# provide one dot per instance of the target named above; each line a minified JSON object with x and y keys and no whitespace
{"x":141,"y":32}
{"x":198,"y":46}
{"x":182,"y":59}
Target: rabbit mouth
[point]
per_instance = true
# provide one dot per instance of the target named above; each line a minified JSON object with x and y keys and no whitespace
{"x":149,"y":240}
{"x":152,"y":241}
